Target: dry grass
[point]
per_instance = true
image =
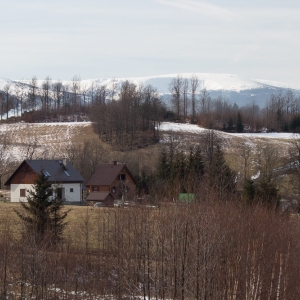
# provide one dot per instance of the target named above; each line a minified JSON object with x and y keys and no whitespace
{"x":84,"y":223}
{"x":45,"y":138}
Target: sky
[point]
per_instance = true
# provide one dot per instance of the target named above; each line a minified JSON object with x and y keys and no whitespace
{"x":256,"y":39}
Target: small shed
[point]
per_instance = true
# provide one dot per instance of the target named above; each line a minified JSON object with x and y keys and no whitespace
{"x":186,"y":198}
{"x":103,"y":197}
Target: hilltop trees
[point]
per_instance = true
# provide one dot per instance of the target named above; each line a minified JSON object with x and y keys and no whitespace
{"x":132,"y":120}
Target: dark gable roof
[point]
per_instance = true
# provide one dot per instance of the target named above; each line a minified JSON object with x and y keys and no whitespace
{"x":98,"y":196}
{"x":53,"y":169}
{"x":105,"y":174}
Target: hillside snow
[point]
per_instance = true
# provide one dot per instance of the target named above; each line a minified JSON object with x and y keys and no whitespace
{"x":178,"y":127}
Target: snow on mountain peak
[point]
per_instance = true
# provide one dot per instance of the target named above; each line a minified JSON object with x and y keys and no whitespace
{"x":209,"y":81}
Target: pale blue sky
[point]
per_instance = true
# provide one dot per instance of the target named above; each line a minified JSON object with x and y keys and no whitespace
{"x":130,"y":38}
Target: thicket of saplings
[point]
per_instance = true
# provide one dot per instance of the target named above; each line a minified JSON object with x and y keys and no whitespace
{"x":208,"y":249}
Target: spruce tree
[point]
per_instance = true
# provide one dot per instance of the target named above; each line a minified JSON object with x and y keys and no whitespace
{"x":249,"y":191}
{"x":163,"y":169}
{"x":267,"y":193}
{"x":42,"y":214}
{"x":196,"y":164}
{"x":221,"y":177}
{"x":239,"y":124}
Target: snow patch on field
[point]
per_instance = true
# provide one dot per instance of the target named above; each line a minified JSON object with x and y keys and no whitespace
{"x":45,"y":139}
{"x":178,"y":127}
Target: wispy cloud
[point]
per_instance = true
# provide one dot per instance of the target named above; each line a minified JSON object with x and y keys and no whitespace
{"x":199,"y":7}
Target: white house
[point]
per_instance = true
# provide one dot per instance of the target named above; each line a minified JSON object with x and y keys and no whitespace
{"x":66,"y":181}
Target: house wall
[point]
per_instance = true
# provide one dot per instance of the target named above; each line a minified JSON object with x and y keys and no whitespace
{"x":69,"y":196}
{"x":25,"y":175}
{"x":129,"y":182}
{"x":74,"y":196}
{"x":108,"y":201}
{"x":100,"y":188}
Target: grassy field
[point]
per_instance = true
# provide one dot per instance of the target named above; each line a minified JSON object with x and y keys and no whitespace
{"x":44,"y":138}
{"x":87,"y":226}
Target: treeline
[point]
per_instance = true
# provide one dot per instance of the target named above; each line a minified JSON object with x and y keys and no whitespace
{"x":50,"y":100}
{"x":281,"y":111}
{"x":254,"y":178}
{"x":130,"y":121}
{"x":206,"y":250}
{"x":75,"y":101}
{"x":182,"y":171}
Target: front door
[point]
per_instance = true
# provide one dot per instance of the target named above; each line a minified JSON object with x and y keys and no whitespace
{"x":60,"y":192}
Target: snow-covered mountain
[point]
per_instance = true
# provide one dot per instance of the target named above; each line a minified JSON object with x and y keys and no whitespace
{"x":231,"y":86}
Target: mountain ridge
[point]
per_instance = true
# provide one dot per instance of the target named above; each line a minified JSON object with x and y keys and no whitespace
{"x":235,"y":88}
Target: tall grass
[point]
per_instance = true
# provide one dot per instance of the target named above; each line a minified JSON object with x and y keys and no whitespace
{"x":205,"y":250}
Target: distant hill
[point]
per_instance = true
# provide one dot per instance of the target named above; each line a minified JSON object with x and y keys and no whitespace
{"x":235,"y":88}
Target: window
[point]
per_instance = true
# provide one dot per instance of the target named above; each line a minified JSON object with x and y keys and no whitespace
{"x":71,"y":190}
{"x":113,"y":190}
{"x":95,"y":189}
{"x":22,"y":193}
{"x":122,"y":177}
{"x":46,"y":173}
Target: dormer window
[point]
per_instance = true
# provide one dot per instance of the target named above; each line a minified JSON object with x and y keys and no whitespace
{"x":66,"y":172}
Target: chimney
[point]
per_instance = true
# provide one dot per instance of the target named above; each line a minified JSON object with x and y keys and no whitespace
{"x":65,"y":163}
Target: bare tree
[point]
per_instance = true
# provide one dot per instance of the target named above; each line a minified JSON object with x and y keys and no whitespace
{"x":7,"y":97}
{"x":84,"y":91}
{"x":45,"y":95}
{"x":66,"y":98}
{"x":175,"y":87}
{"x":57,"y":89}
{"x":32,"y":94}
{"x":294,"y":151}
{"x":204,"y":102}
{"x":185,"y":91}
{"x":245,"y":150}
{"x":75,"y":100}
{"x":20,"y":95}
{"x":92,"y":92}
{"x":4,"y":157}
{"x":194,"y":83}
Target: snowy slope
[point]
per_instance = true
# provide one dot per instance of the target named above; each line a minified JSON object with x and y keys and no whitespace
{"x":195,"y":129}
{"x":209,"y":81}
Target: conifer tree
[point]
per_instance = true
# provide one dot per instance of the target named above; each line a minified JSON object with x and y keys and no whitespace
{"x":163,"y":169}
{"x":239,"y":124}
{"x":267,"y":193}
{"x":249,"y":190}
{"x":196,"y":164}
{"x":179,"y":166}
{"x":42,"y":214}
{"x":221,"y":177}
